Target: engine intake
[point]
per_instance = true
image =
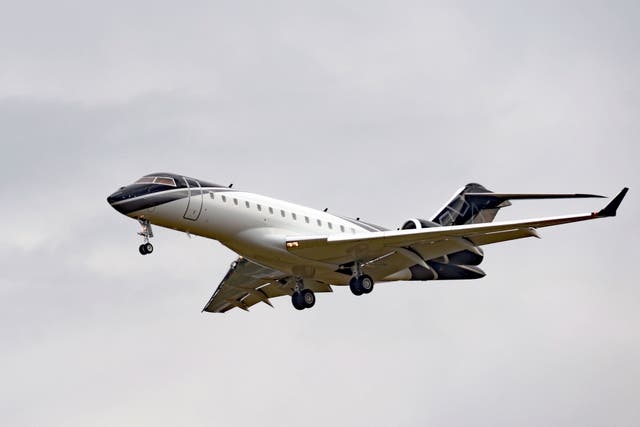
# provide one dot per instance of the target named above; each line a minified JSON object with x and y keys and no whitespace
{"x":415,"y":223}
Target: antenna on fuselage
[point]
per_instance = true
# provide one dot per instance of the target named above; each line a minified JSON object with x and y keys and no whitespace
{"x":325,"y":209}
{"x":231,"y":185}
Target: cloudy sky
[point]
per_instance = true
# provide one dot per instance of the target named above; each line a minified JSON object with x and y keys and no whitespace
{"x":374,"y":109}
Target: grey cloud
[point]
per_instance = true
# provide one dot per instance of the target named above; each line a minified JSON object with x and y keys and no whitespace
{"x":372,"y":109}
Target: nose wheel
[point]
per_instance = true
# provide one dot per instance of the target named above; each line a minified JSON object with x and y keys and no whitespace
{"x":146,"y":248}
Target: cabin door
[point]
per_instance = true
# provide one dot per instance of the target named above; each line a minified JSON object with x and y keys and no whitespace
{"x":194,"y":201}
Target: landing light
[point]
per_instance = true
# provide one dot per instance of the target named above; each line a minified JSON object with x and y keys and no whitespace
{"x":292,"y":244}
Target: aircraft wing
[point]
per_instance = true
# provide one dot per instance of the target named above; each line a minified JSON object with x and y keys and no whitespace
{"x":248,"y":283}
{"x":245,"y":284}
{"x":343,"y":248}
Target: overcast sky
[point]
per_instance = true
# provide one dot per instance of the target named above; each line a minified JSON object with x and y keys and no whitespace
{"x":374,"y":109}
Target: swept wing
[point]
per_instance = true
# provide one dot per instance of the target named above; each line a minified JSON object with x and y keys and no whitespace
{"x":248,"y":283}
{"x":342,"y":248}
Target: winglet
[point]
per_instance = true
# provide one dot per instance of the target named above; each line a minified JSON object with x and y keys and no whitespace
{"x":612,"y":207}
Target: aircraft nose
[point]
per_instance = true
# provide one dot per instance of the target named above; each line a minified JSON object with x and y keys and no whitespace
{"x":116,"y":196}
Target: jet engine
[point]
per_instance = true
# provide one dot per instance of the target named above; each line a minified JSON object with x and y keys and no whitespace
{"x":414,"y":223}
{"x":465,"y":257}
{"x":461,"y":264}
{"x":438,"y":271}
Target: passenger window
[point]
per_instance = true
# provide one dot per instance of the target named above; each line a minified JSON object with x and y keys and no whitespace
{"x":319,"y":223}
{"x":306,"y":219}
{"x":224,"y":199}
{"x":342,"y":228}
{"x":330,"y":226}
{"x":293,"y":215}
{"x":259,"y":207}
{"x":270,"y":210}
{"x":247,"y":204}
{"x":211,"y":194}
{"x":235,"y":201}
{"x":282,"y":213}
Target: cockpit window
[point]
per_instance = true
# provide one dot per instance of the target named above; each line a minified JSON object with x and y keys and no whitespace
{"x":145,"y":180}
{"x":163,"y":180}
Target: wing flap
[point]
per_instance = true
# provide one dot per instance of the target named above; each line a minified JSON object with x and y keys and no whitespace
{"x":503,"y":236}
{"x":254,"y":297}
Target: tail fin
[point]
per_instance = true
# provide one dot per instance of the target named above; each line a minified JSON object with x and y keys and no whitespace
{"x":475,"y":204}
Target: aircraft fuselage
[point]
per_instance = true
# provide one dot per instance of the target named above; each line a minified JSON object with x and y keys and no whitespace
{"x":252,"y":225}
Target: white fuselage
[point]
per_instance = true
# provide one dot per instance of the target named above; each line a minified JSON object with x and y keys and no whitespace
{"x":254,"y":226}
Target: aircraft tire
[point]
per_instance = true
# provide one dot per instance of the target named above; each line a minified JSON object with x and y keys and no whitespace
{"x":297,"y":301}
{"x":355,"y":286}
{"x":142,"y":249}
{"x":365,"y":283}
{"x":308,"y":298}
{"x":148,"y":248}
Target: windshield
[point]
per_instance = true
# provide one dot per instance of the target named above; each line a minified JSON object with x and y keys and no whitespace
{"x":163,"y":180}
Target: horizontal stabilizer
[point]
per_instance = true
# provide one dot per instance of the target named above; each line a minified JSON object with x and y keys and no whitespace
{"x":532,"y":196}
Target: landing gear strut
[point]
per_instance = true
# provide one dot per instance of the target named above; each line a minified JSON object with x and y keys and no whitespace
{"x":146,"y":232}
{"x":360,"y":283}
{"x":302,"y":298}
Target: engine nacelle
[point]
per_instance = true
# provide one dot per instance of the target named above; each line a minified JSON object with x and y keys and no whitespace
{"x":466,"y":257}
{"x":456,"y":272}
{"x":415,"y":223}
{"x":439,"y":271}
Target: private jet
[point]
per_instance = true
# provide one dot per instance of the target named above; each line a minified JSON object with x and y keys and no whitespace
{"x":289,"y":249}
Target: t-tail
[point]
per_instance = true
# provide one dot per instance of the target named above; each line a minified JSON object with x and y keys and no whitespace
{"x":474,"y":204}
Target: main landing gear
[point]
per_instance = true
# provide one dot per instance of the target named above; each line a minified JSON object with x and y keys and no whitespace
{"x":360,"y":283}
{"x":146,"y":232}
{"x":302,"y":298}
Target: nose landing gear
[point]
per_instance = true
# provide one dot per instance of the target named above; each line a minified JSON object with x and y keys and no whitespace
{"x":145,"y":248}
{"x":146,"y":232}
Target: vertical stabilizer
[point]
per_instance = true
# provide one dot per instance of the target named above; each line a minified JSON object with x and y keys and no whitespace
{"x":465,"y":209}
